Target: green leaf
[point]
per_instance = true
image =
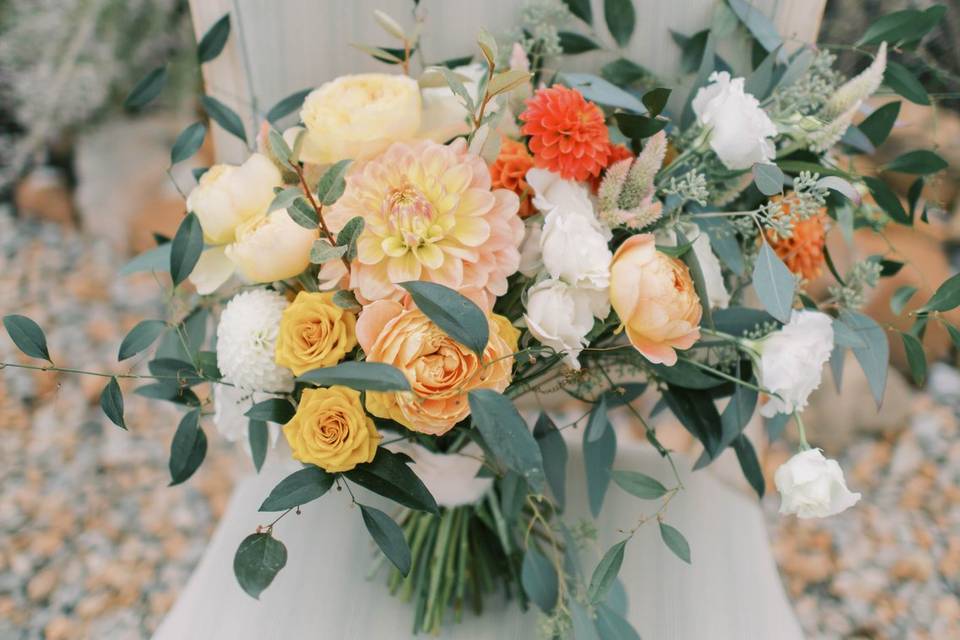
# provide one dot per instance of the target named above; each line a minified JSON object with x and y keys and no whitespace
{"x":901,"y":297}
{"x":258,"y":560}
{"x":675,"y":541}
{"x":875,"y":355}
{"x":28,"y":336}
{"x":303,"y":213}
{"x":757,"y":23}
{"x":285,"y":199}
{"x":612,"y":626}
{"x":639,"y":484}
{"x":582,"y":623}
{"x":388,"y":536}
{"x":655,"y":100}
{"x":458,"y":316}
{"x":362,"y":376}
{"x":894,"y":27}
{"x":322,"y":252}
{"x":887,"y":200}
{"x":877,"y":125}
{"x":188,"y":142}
{"x":945,"y":298}
{"x":257,"y":434}
{"x":774,"y":283}
{"x":349,"y":235}
{"x":184,"y":372}
{"x":637,"y":127}
{"x":916,"y":357}
{"x":147,"y":89}
{"x":169,"y":391}
{"x":901,"y":80}
{"x":581,"y":9}
{"x":737,"y":414}
{"x":698,"y":414}
{"x":332,"y":184}
{"x":598,"y":460}
{"x":281,"y":150}
{"x":553,"y":451}
{"x":213,"y":41}
{"x":287,"y":105}
{"x":389,"y":476}
{"x":156,"y":259}
{"x":605,"y":573}
{"x":506,"y":435}
{"x":140,"y":338}
{"x":696,"y":274}
{"x":768,"y":178}
{"x":188,"y":448}
{"x":111,"y":401}
{"x":920,"y":162}
{"x":224,"y":116}
{"x":574,"y":43}
{"x":598,"y":422}
{"x":601,"y":91}
{"x":276,"y":410}
{"x":298,"y":488}
{"x":747,"y":457}
{"x":623,"y":72}
{"x":954,"y":334}
{"x":185,"y":249}
{"x":686,"y":375}
{"x":760,"y":82}
{"x":346,"y":300}
{"x":620,"y":18}
{"x":539,"y":579}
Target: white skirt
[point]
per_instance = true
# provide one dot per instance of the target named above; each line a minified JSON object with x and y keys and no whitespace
{"x":731,"y":591}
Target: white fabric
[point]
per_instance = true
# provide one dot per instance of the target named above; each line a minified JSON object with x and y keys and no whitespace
{"x":730,"y":592}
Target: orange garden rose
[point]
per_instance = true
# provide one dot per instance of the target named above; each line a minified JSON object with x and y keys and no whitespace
{"x":509,"y":172}
{"x":314,"y":333}
{"x":568,"y":134}
{"x":802,"y":252}
{"x":441,"y":371}
{"x":331,"y":430}
{"x":654,"y":296}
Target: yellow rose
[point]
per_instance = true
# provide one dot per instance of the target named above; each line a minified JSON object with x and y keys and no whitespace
{"x":358,"y":116}
{"x":227,"y":196}
{"x":441,"y":371}
{"x":314,"y":333}
{"x":654,"y":296}
{"x":271,"y":247}
{"x":331,"y":430}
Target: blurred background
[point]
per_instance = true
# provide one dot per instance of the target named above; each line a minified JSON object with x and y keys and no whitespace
{"x":93,"y":543}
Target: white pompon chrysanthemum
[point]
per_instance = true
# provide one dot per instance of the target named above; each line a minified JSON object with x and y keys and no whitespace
{"x":246,"y":341}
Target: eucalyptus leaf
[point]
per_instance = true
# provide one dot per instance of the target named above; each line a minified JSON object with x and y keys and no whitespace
{"x":258,"y":560}
{"x":887,"y":200}
{"x":156,"y":259}
{"x":598,"y":421}
{"x":287,"y":105}
{"x":946,"y":297}
{"x":774,"y":283}
{"x":185,"y":249}
{"x":147,"y":89}
{"x":188,"y":448}
{"x":621,"y":18}
{"x":606,"y":572}
{"x":916,"y":357}
{"x":111,"y":402}
{"x":768,"y":178}
{"x":27,"y":335}
{"x":749,"y":464}
{"x":675,"y":541}
{"x":901,"y":80}
{"x":303,"y":213}
{"x":458,"y":316}
{"x":276,"y":410}
{"x":601,"y":91}
{"x":920,"y":162}
{"x":581,"y":9}
{"x":362,"y":376}
{"x":757,"y":23}
{"x":213,"y":41}
{"x":257,"y":436}
{"x":224,"y":116}
{"x":553,"y":451}
{"x":349,"y":235}
{"x":874,"y":357}
{"x":388,"y":536}
{"x":143,"y":334}
{"x":389,"y":476}
{"x":298,"y":488}
{"x":332,"y":183}
{"x":901,"y":297}
{"x":322,"y":252}
{"x":188,"y":142}
{"x":877,"y":125}
{"x":573,"y":43}
{"x":598,"y":459}
{"x":507,"y":435}
{"x":639,"y":484}
{"x":539,"y":579}
{"x":285,"y":198}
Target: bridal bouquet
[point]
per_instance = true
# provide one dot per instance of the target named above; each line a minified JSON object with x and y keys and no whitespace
{"x":426,"y":246}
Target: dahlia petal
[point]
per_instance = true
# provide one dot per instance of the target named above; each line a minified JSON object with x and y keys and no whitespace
{"x":429,"y":256}
{"x":471,"y":231}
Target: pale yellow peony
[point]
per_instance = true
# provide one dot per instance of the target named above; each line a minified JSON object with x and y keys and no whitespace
{"x":358,"y":116}
{"x":441,"y":371}
{"x":654,"y":296}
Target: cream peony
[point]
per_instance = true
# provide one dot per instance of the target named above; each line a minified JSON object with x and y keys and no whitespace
{"x":451,"y":478}
{"x":812,"y":486}
{"x":560,"y":316}
{"x":444,"y":115}
{"x":792,"y":359}
{"x":246,"y":342}
{"x":271,"y":247}
{"x":228,"y":196}
{"x":358,"y":116}
{"x":739,"y":129}
{"x":655,"y":299}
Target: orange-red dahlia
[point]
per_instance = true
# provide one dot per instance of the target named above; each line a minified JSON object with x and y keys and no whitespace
{"x":509,"y":172}
{"x":802,"y":252}
{"x":618,"y":152}
{"x":567,"y":133}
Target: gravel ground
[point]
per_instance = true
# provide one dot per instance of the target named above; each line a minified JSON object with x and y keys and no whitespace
{"x":94,"y":544}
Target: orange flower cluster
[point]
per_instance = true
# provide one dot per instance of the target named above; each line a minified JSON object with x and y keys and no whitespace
{"x":567,"y":133}
{"x":803,"y":251}
{"x":509,"y":172}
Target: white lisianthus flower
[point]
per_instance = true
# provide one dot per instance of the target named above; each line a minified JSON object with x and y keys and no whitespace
{"x":706,"y":258}
{"x":740,"y":130}
{"x":574,"y":250}
{"x":550,"y":192}
{"x":812,"y":486}
{"x":792,"y":359}
{"x":230,"y":404}
{"x":227,"y":196}
{"x":531,"y":260}
{"x":451,"y":478}
{"x":247,"y":339}
{"x":560,"y":316}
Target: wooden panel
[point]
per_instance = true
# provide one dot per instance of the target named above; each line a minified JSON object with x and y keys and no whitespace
{"x":277,"y":48}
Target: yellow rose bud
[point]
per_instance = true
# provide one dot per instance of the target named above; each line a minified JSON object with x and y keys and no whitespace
{"x":358,"y":116}
{"x":331,"y":430}
{"x":314,"y":333}
{"x":271,"y":247}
